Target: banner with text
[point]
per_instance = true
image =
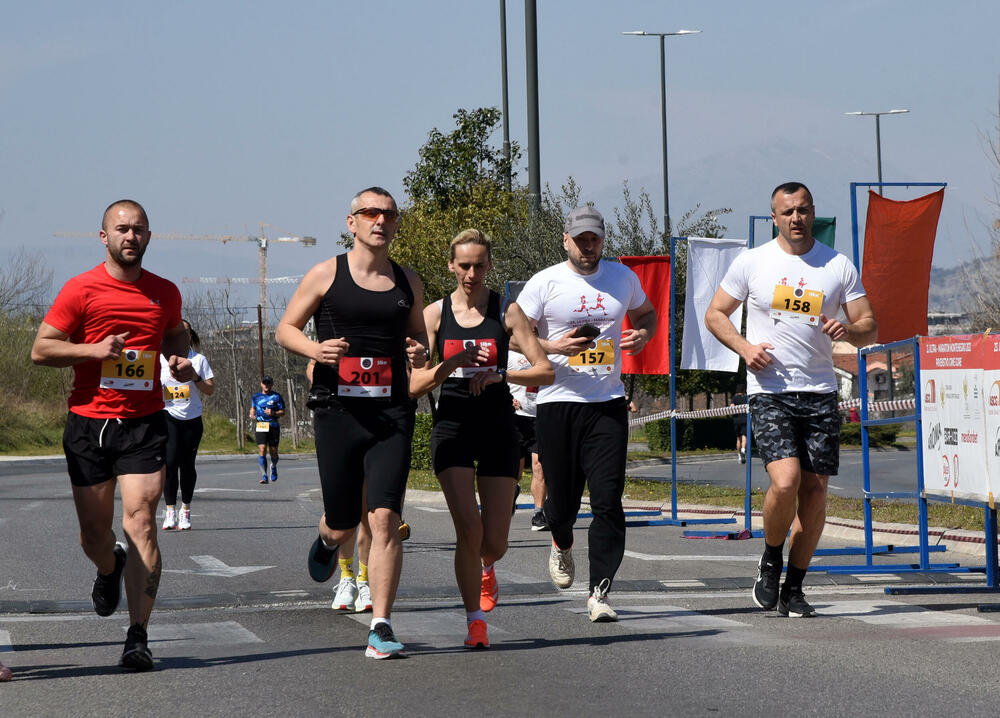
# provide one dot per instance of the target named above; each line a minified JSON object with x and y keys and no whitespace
{"x":960,"y":405}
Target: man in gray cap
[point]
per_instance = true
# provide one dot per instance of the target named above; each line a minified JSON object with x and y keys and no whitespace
{"x":578,"y":307}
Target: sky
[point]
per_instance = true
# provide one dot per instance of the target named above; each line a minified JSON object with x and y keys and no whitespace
{"x":219,"y":116}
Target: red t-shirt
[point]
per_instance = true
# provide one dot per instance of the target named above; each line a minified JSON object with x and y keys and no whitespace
{"x":94,"y":305}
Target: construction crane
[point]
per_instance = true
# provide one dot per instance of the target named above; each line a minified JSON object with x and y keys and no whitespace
{"x":262,"y":242}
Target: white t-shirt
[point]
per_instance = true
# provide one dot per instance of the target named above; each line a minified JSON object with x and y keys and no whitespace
{"x":526,"y":396}
{"x":785,"y":294}
{"x":183,"y":398}
{"x":561,"y":300}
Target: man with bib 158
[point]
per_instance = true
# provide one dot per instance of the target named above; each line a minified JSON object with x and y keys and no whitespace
{"x":795,"y":288}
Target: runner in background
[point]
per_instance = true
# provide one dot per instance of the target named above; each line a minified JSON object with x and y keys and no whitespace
{"x":740,"y":423}
{"x":525,"y":407}
{"x":266,"y":407}
{"x":182,"y":401}
{"x":474,"y":443}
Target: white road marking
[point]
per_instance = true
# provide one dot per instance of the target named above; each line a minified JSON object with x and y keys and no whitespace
{"x":687,"y":557}
{"x":5,"y":644}
{"x":234,"y":491}
{"x":682,"y":583}
{"x":211,"y":566}
{"x":896,"y":613}
{"x":226,"y":633}
{"x":876,"y":577}
{"x":31,"y":505}
{"x":429,"y":509}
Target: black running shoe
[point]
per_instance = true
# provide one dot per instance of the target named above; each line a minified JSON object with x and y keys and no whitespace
{"x":136,"y":654}
{"x":322,"y":561}
{"x":765,"y":588}
{"x":107,"y":591}
{"x":538,"y":522}
{"x":794,"y":605}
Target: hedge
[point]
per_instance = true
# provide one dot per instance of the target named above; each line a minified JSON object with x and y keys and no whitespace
{"x":421,"y":456}
{"x":718,"y":433}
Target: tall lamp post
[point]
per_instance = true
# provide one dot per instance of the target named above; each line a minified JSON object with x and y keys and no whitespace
{"x":663,"y":111}
{"x":878,"y":136}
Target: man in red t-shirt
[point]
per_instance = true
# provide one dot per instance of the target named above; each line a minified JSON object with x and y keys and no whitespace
{"x":110,"y":324}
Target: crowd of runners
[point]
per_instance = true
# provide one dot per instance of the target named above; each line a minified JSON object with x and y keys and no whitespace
{"x":533,"y":383}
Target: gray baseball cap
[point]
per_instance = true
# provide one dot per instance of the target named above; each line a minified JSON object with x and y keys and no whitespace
{"x":585,"y":219}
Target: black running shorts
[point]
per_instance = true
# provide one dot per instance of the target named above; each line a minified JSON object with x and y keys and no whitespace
{"x":271,"y":437}
{"x":102,"y":449}
{"x":483,"y":439}
{"x":358,"y":446}
{"x":526,"y":428}
{"x":804,"y":425}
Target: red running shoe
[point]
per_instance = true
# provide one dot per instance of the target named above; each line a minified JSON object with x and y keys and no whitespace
{"x":489,"y":592}
{"x":477,"y":635}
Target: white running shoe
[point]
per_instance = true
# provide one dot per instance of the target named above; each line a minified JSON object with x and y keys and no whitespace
{"x":184,"y":522}
{"x":597,"y":605}
{"x":169,"y":519}
{"x":345,"y":595}
{"x":561,"y":567}
{"x":363,"y":604}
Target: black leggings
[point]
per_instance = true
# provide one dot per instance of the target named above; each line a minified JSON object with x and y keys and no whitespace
{"x":183,"y":437}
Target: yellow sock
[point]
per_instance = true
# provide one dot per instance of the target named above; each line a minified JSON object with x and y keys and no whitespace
{"x":346,"y":570}
{"x":362,"y":571}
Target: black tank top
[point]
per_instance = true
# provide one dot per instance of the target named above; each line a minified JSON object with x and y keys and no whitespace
{"x":374,"y":324}
{"x":453,"y":338}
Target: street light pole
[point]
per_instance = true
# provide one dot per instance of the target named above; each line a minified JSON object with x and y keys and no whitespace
{"x":663,"y":112}
{"x":878,"y":137}
{"x":503,"y":82}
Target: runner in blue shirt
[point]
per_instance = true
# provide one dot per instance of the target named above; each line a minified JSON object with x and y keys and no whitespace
{"x":266,"y":407}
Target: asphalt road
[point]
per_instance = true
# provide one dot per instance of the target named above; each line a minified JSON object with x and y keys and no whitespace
{"x":240,"y":629}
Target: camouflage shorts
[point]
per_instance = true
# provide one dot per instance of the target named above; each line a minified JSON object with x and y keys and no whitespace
{"x":805,"y":425}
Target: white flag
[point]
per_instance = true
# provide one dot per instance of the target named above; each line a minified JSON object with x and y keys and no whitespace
{"x":707,"y":262}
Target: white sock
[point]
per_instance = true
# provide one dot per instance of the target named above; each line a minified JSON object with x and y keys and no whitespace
{"x":376,"y":621}
{"x":486,"y":569}
{"x":476,"y":615}
{"x":328,"y":546}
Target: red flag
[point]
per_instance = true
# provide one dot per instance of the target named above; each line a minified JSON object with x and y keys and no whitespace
{"x":654,"y":275}
{"x":896,"y":272}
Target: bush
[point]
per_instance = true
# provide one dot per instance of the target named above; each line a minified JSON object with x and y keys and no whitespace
{"x":421,"y":456}
{"x":884,"y":435}
{"x":692,"y":434}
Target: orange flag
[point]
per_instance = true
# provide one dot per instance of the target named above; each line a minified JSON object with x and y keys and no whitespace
{"x":896,"y":272}
{"x":654,"y":276}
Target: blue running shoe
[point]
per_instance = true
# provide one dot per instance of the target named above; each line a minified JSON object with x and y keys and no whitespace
{"x":322,"y":561}
{"x":383,"y":644}
{"x":274,"y":474}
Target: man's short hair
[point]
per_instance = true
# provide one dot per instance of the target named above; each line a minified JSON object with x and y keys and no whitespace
{"x":372,"y":190}
{"x":790,"y":188}
{"x":126,"y":202}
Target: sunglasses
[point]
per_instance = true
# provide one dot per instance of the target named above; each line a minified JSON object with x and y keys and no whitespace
{"x":372,"y":213}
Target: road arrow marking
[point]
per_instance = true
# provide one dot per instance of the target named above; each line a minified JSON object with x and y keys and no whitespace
{"x":211,"y":566}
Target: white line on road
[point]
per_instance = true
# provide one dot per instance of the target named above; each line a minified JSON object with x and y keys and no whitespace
{"x":430,"y":509}
{"x":686,"y":557}
{"x":211,"y":566}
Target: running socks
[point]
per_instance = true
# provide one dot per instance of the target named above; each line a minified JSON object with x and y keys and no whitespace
{"x":376,"y":621}
{"x":346,"y":567}
{"x":772,"y":554}
{"x":362,"y":571}
{"x":262,"y":462}
{"x":793,"y":579}
{"x":476,"y":615}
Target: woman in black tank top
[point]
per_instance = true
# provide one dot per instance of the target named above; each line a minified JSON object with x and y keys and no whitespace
{"x":474,"y":442}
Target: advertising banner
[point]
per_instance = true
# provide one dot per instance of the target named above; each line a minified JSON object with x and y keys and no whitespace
{"x":954,"y":404}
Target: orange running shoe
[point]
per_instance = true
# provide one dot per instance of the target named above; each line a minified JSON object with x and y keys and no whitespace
{"x":489,"y":592}
{"x":477,"y":635}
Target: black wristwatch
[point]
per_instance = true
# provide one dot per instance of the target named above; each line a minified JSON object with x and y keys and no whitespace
{"x":503,"y":374}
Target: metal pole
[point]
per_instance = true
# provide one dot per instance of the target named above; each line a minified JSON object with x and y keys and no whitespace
{"x":503,"y":82}
{"x":260,"y":339}
{"x":663,"y":124}
{"x":878,"y":152}
{"x":531,"y":70}
{"x":673,"y":393}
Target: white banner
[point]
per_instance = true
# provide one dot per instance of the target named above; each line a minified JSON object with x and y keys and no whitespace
{"x":707,"y":262}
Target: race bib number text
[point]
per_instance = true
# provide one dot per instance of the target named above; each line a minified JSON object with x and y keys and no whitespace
{"x":369,"y":377}
{"x":601,"y":358}
{"x":794,"y":304}
{"x":132,"y":371}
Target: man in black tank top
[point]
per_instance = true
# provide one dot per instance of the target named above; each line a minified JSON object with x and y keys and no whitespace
{"x":370,"y":333}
